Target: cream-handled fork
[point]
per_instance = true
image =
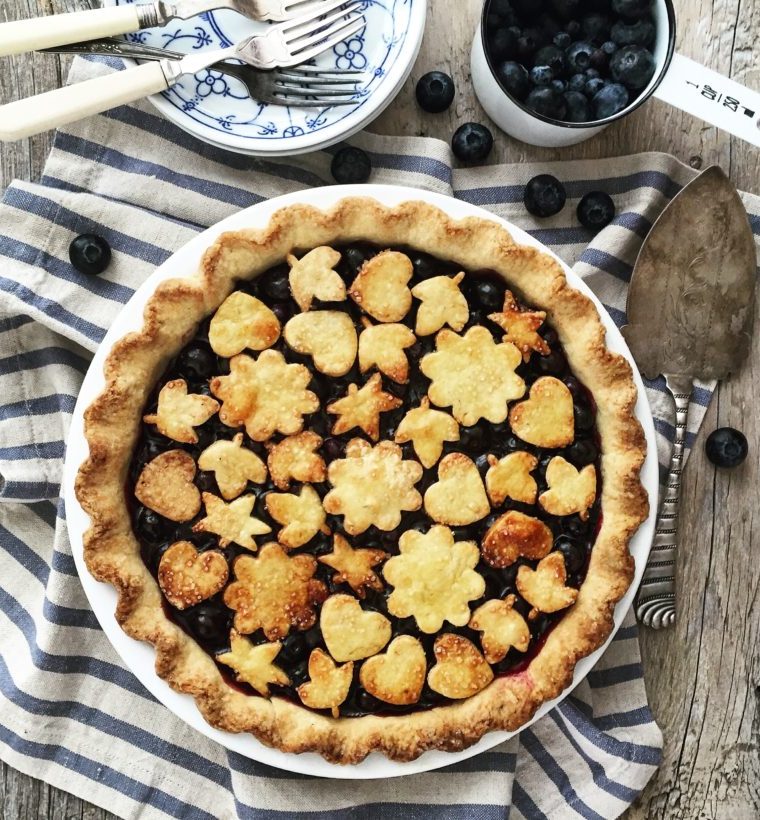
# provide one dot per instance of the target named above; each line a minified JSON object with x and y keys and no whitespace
{"x":61,"y":29}
{"x":286,"y":44}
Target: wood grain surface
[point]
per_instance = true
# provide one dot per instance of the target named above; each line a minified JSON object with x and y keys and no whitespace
{"x":703,"y":676}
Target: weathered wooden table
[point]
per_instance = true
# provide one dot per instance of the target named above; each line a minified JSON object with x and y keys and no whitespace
{"x":703,"y":676}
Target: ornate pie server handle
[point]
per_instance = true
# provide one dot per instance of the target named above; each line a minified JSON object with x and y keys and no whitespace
{"x":656,"y":601}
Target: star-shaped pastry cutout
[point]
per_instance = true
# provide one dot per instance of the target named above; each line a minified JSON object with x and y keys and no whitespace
{"x":362,"y":407}
{"x":510,"y":477}
{"x":313,"y":276}
{"x":442,"y":304}
{"x":383,"y":346}
{"x":354,"y":566}
{"x":302,"y":515}
{"x":233,"y":466}
{"x":521,"y":326}
{"x":232,"y":522}
{"x":427,"y":429}
{"x":502,"y":626}
{"x":179,"y":411}
{"x":570,"y":490}
{"x":544,"y":587}
{"x":295,"y":459}
{"x":254,"y":663}
{"x":329,"y":683}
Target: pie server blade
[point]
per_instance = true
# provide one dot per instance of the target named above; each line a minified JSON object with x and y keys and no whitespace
{"x":690,"y":311}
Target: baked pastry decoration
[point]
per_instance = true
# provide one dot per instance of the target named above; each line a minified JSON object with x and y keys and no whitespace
{"x":377,"y":622}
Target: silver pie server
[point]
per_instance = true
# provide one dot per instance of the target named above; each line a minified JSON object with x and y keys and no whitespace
{"x":690,"y":310}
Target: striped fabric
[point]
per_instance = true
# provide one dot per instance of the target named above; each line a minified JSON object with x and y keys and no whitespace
{"x":70,"y":712}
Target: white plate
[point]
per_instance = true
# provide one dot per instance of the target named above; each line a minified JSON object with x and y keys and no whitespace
{"x":140,"y":657}
{"x":218,"y":110}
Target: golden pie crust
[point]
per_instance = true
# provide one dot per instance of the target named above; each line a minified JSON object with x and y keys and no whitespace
{"x":112,"y":426}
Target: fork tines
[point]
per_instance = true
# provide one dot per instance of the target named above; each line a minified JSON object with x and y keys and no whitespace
{"x":306,"y":39}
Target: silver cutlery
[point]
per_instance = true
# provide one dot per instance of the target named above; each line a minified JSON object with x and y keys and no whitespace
{"x":281,"y":46}
{"x":59,"y":29}
{"x":690,"y":313}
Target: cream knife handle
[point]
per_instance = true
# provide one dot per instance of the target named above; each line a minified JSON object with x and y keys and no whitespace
{"x":656,"y":602}
{"x":62,"y":29}
{"x":75,"y":102}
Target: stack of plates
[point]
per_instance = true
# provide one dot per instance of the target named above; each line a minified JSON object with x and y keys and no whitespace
{"x":218,"y":110}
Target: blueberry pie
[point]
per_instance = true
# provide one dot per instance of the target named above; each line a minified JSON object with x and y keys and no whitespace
{"x":366,"y":481}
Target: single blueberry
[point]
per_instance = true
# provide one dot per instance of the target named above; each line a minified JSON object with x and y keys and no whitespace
{"x":726,"y":447}
{"x":547,"y":102}
{"x":435,"y":91}
{"x":574,"y":553}
{"x":640,"y":33}
{"x":471,"y":438}
{"x":489,"y":294}
{"x":610,"y":100}
{"x":573,"y":28}
{"x":515,"y":79}
{"x":599,"y":60}
{"x":503,"y":45}
{"x":593,"y":87}
{"x":544,"y":195}
{"x":528,"y":44}
{"x":579,"y":56}
{"x":355,"y":259}
{"x":593,"y":73}
{"x":196,"y":362}
{"x":596,"y":27}
{"x":562,"y":40}
{"x":577,"y":82}
{"x":425,"y":266}
{"x":632,"y":9}
{"x":584,"y":416}
{"x":582,"y":452}
{"x":277,"y":285}
{"x":149,"y":526}
{"x":472,"y":142}
{"x":596,"y":210}
{"x":351,"y":165}
{"x":578,"y":108}
{"x":553,"y":57}
{"x":609,"y":48}
{"x":90,"y":254}
{"x":560,"y":86}
{"x":553,"y":364}
{"x":541,"y":75}
{"x":633,"y":66}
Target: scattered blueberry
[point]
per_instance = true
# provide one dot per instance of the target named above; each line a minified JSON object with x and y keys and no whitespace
{"x":599,"y":60}
{"x":562,"y":40}
{"x":593,"y":73}
{"x":640,"y":33}
{"x":633,"y":66}
{"x":489,"y":294}
{"x":547,"y":102}
{"x":560,"y":86}
{"x":90,"y":254}
{"x":504,"y":44}
{"x":579,"y":56}
{"x":435,"y":91}
{"x":553,"y":57}
{"x":572,"y":551}
{"x":594,"y":86}
{"x":631,"y":8}
{"x":150,"y":526}
{"x":578,"y":107}
{"x":544,"y":195}
{"x":610,"y":100}
{"x":596,"y":210}
{"x":541,"y":75}
{"x":472,"y":142}
{"x":515,"y":79}
{"x":351,"y":165}
{"x":577,"y":82}
{"x":196,"y":362}
{"x":609,"y":48}
{"x":582,"y":452}
{"x":553,"y":364}
{"x":584,"y":416}
{"x":277,"y":287}
{"x":726,"y":447}
{"x":573,"y":28}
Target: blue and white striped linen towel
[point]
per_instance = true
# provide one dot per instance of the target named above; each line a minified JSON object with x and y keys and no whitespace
{"x":70,"y":713}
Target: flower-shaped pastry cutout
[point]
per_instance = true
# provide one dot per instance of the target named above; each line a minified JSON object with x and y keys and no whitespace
{"x":242,"y":321}
{"x":521,"y":326}
{"x":312,"y":276}
{"x":458,"y":497}
{"x":427,"y":429}
{"x":460,"y":670}
{"x":383,"y":346}
{"x":515,"y":535}
{"x":274,"y":592}
{"x":254,"y":663}
{"x":361,"y":407}
{"x":570,"y":490}
{"x":545,"y":418}
{"x":398,"y":675}
{"x":328,"y":336}
{"x":354,"y":566}
{"x":187,"y":577}
{"x":502,"y":626}
{"x":350,"y":632}
{"x":510,"y":477}
{"x":267,"y":395}
{"x":381,"y":289}
{"x":166,"y":486}
{"x":232,"y":522}
{"x":329,"y":683}
{"x":442,"y":304}
{"x":233,"y":466}
{"x":372,"y":485}
{"x":302,"y":516}
{"x":295,"y":459}
{"x":473,"y":375}
{"x":544,"y":587}
{"x":434,"y":578}
{"x":179,"y":411}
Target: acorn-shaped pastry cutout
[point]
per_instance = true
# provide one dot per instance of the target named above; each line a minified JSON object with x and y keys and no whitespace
{"x":328,"y":336}
{"x":427,"y":429}
{"x":442,"y":304}
{"x":460,"y":670}
{"x":242,"y":321}
{"x":361,"y":407}
{"x":570,"y":490}
{"x":302,"y":515}
{"x":254,"y":663}
{"x":521,"y":327}
{"x":546,"y":418}
{"x":295,"y":459}
{"x":350,"y":632}
{"x":398,"y":675}
{"x":515,"y":535}
{"x":544,"y":587}
{"x":232,"y":522}
{"x":233,"y":466}
{"x":179,"y":411}
{"x":187,"y":577}
{"x":510,"y":477}
{"x":382,"y":346}
{"x":380,"y":288}
{"x":502,"y":626}
{"x":328,"y":685}
{"x":166,"y":486}
{"x":458,"y":498}
{"x":354,"y":567}
{"x":313,"y":276}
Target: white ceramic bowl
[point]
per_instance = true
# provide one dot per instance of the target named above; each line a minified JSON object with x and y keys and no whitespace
{"x":140,"y":657}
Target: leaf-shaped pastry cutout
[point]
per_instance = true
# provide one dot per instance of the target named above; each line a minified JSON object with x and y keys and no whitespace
{"x":427,"y":429}
{"x":354,"y":566}
{"x":233,"y":466}
{"x":442,"y":304}
{"x":380,"y":288}
{"x":254,"y":663}
{"x":361,"y":408}
{"x":460,"y":670}
{"x":328,"y":336}
{"x":242,"y":321}
{"x":570,"y":490}
{"x":458,"y":498}
{"x":350,"y":632}
{"x":232,"y":522}
{"x":166,"y":486}
{"x":521,"y":326}
{"x":328,"y":685}
{"x":502,"y":626}
{"x":187,"y":577}
{"x":510,"y":477}
{"x":313,"y":276}
{"x":295,"y":459}
{"x":302,"y":515}
{"x":398,"y":675}
{"x":546,"y":418}
{"x":515,"y":535}
{"x":383,"y":346}
{"x":544,"y":587}
{"x":179,"y":411}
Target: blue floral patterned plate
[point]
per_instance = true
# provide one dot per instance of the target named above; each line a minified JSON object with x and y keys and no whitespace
{"x":217,"y":108}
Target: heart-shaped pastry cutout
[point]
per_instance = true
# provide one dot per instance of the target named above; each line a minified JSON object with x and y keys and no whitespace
{"x":383,"y":346}
{"x":458,"y":498}
{"x":166,"y":486}
{"x":515,"y":535}
{"x":328,"y":336}
{"x":570,"y":490}
{"x":545,"y":418}
{"x":242,"y":321}
{"x":544,"y":587}
{"x":313,"y":276}
{"x":329,"y":683}
{"x":350,"y":632}
{"x":187,"y":577}
{"x":398,"y":675}
{"x":381,"y":289}
{"x":460,"y":670}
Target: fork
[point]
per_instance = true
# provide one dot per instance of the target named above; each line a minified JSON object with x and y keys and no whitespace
{"x":284,"y":45}
{"x":302,"y":86}
{"x":61,"y":29}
